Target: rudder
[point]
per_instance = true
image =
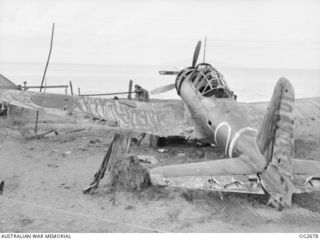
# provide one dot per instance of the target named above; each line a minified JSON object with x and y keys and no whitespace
{"x":275,"y":141}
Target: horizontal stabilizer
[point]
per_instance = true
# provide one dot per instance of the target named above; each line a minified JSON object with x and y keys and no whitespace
{"x":231,"y":166}
{"x":228,"y":183}
{"x":229,"y":175}
{"x":306,"y":176}
{"x":310,"y":167}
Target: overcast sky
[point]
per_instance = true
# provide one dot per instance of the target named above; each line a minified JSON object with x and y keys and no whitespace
{"x":240,"y":33}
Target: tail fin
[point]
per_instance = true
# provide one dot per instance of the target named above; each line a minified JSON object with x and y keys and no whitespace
{"x":276,"y":135}
{"x":275,"y":140}
{"x":5,"y":83}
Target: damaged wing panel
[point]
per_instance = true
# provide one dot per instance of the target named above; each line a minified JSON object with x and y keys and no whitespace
{"x":163,"y":118}
{"x":45,"y":102}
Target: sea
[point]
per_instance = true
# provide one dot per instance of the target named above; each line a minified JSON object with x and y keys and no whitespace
{"x":249,"y":84}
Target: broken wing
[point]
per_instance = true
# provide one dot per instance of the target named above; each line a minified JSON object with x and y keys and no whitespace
{"x":162,"y":118}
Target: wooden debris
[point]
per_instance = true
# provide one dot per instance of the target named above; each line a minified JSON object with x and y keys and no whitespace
{"x":76,"y":130}
{"x":1,"y":187}
{"x":66,"y":153}
{"x":41,"y":135}
{"x":119,"y":145}
{"x":162,"y":150}
{"x":147,"y":159}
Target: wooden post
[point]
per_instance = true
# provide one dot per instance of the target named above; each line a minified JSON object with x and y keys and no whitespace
{"x":44,"y":75}
{"x":45,"y":70}
{"x":130,"y":89}
{"x":71,"y":88}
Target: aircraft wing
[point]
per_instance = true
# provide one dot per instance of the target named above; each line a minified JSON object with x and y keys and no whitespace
{"x":306,"y":109}
{"x":159,"y":117}
{"x":162,"y":118}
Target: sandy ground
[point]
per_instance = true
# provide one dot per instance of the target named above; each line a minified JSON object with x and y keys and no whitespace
{"x":44,"y":179}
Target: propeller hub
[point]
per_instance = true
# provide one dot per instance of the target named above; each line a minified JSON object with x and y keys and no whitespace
{"x":182,"y":75}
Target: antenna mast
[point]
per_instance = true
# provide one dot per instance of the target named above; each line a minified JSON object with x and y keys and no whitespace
{"x":204,"y":50}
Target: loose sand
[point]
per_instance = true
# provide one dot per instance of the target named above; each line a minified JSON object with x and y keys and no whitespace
{"x":44,"y":179}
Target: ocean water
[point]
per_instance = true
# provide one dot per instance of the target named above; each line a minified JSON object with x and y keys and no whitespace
{"x":249,"y":84}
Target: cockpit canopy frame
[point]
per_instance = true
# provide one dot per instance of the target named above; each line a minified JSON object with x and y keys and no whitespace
{"x":209,"y":82}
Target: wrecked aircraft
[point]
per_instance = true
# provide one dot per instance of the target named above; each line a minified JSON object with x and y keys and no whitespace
{"x":258,"y":141}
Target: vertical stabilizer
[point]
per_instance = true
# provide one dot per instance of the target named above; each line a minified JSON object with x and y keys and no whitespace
{"x":5,"y":83}
{"x":275,"y":140}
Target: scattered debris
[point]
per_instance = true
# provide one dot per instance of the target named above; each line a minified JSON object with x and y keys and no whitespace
{"x":82,"y":148}
{"x":96,"y":141}
{"x":66,"y":153}
{"x":181,"y":154}
{"x":162,"y":150}
{"x":26,"y":221}
{"x":41,"y":135}
{"x":77,"y":130}
{"x":1,"y":187}
{"x":220,"y":195}
{"x":199,"y":154}
{"x":52,"y":165}
{"x":130,"y":207}
{"x":147,"y":159}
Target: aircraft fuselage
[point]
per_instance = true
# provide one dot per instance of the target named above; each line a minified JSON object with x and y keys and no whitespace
{"x":222,"y":121}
